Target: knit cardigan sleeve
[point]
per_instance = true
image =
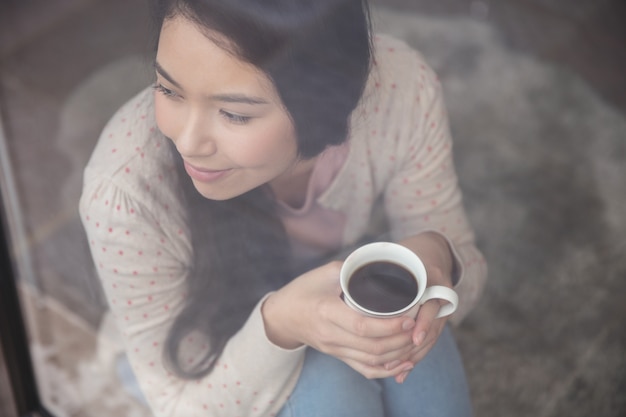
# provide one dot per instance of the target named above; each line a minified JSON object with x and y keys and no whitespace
{"x":423,"y":193}
{"x":401,"y":153}
{"x":141,"y":249}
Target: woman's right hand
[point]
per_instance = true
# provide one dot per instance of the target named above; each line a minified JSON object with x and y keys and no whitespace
{"x":309,"y":311}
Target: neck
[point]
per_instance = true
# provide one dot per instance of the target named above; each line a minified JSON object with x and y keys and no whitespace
{"x":291,"y":187}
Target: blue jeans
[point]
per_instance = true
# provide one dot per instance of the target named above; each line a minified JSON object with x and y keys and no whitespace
{"x":436,"y":387}
{"x":327,"y":387}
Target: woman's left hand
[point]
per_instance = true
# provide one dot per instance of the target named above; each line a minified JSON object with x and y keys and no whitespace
{"x":425,"y":333}
{"x":437,"y":258}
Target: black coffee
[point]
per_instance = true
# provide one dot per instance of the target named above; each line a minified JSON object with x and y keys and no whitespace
{"x":382,"y":287}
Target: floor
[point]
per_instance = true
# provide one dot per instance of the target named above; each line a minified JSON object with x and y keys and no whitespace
{"x":548,"y":339}
{"x":585,"y":36}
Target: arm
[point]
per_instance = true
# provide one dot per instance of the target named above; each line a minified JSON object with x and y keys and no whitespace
{"x":423,"y":195}
{"x":142,"y":261}
{"x":424,"y":206}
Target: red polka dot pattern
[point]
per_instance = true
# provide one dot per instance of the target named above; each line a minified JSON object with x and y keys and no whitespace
{"x":400,"y":149}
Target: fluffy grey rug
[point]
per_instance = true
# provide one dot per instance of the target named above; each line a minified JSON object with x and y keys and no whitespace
{"x":541,"y":161}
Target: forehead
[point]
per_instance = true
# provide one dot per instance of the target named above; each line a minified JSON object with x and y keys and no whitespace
{"x":223,"y":41}
{"x":191,"y":52}
{"x":179,"y":30}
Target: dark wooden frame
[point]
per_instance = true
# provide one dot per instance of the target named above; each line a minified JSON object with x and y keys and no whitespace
{"x":13,"y":338}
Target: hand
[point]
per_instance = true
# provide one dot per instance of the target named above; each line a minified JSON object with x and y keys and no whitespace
{"x":427,"y":328}
{"x":309,"y":311}
{"x":438,"y":261}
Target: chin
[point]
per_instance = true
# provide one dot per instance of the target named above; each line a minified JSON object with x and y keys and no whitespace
{"x":218,"y":193}
{"x":216,"y":196}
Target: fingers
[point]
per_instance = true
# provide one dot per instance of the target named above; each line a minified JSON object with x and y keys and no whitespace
{"x":418,"y":354}
{"x":384,"y":353}
{"x":343,"y":333}
{"x":363,"y":326}
{"x":384,"y":365}
{"x":371,"y":341}
{"x":424,"y":335}
{"x":355,"y":323}
{"x":374,"y":347}
{"x":425,"y":321}
{"x":372,"y":372}
{"x":401,"y":377}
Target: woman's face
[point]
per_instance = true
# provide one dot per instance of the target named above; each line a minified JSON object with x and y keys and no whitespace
{"x":224,"y":115}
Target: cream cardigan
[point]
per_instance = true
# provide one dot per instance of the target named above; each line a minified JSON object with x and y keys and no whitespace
{"x":400,"y":155}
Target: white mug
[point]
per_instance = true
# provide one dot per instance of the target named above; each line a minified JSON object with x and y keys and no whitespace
{"x":385,"y":279}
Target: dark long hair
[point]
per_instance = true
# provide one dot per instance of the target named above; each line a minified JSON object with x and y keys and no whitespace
{"x":317,"y":53}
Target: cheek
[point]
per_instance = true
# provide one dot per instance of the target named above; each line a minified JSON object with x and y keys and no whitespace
{"x":273,"y":145}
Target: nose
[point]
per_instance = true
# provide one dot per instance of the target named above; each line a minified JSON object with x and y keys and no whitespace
{"x":195,"y":138}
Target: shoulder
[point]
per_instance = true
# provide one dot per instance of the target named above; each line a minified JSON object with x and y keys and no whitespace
{"x":398,"y":94}
{"x":131,"y":152}
{"x":133,"y":164}
{"x":401,"y":96}
{"x":395,"y":61}
{"x":385,"y":45}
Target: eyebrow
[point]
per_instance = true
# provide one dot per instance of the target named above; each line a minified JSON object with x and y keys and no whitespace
{"x":158,"y":68}
{"x":225,"y":98}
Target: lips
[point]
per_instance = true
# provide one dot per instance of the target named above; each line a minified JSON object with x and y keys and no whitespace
{"x":205,"y":175}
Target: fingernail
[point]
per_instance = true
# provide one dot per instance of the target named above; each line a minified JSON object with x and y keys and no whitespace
{"x":408,"y":324}
{"x":392,"y":364}
{"x":407,"y":368}
{"x":419,"y":339}
{"x":402,"y":377}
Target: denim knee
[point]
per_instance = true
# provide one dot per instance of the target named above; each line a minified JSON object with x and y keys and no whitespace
{"x":436,"y":387}
{"x":329,"y":387}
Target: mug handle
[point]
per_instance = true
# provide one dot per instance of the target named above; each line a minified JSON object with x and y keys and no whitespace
{"x":444,"y":293}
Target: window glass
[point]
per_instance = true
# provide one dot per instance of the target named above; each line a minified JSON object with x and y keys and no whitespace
{"x":65,"y":67}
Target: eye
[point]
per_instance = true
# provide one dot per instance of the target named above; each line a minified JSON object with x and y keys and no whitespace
{"x":165,"y":91}
{"x":235,"y":118}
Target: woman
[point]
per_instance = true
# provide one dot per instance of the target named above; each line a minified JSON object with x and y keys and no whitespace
{"x":213,"y":201}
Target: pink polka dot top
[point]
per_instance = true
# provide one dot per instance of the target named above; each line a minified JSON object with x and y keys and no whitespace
{"x":399,"y":155}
